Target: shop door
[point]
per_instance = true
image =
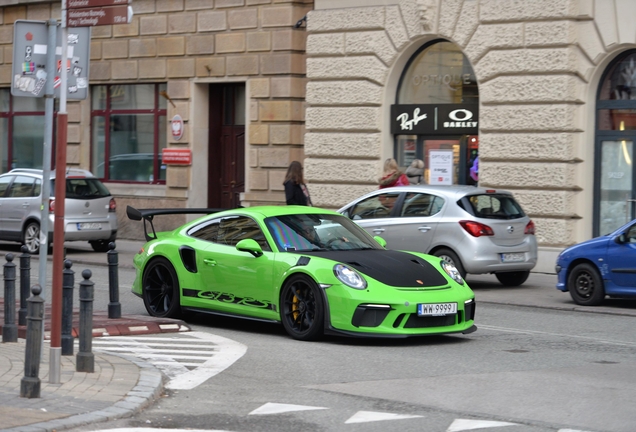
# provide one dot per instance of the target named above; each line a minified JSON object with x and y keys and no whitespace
{"x":226,"y":160}
{"x":616,"y":184}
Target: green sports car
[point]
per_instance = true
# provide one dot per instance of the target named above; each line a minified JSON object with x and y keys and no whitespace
{"x":313,"y":270}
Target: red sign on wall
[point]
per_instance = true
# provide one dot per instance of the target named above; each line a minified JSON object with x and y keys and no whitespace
{"x":176,"y":156}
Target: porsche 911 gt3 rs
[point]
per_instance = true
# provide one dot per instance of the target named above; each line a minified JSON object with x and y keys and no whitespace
{"x":313,"y":270}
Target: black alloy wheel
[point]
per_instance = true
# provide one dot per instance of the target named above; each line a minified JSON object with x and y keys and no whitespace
{"x":302,"y":311}
{"x":513,"y":279}
{"x":450,"y":257}
{"x":585,"y":285}
{"x":160,"y":287}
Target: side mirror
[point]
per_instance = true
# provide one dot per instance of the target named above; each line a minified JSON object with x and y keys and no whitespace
{"x":621,"y":239}
{"x":380,"y":240}
{"x":249,"y":245}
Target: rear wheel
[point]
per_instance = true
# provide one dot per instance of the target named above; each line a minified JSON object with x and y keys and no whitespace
{"x":512,"y":278}
{"x":451,"y":257}
{"x":585,"y":285}
{"x":31,"y":237}
{"x":302,"y":311}
{"x":161,"y":289}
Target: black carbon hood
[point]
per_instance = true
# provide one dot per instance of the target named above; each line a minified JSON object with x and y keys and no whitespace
{"x":394,"y":268}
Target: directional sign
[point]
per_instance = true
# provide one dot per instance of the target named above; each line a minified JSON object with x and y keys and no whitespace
{"x":78,"y":4}
{"x":30,"y":44}
{"x":99,"y":16}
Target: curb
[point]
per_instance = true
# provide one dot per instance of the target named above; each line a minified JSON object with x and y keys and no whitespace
{"x":148,"y":389}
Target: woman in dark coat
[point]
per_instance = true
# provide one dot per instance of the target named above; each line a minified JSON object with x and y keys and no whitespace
{"x":296,"y":192}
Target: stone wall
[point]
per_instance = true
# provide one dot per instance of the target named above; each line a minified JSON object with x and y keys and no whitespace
{"x":538,"y":64}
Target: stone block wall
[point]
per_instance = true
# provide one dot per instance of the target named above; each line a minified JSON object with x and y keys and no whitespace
{"x":538,"y":64}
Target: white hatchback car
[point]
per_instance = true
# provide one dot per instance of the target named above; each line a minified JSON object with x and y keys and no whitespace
{"x":89,"y":209}
{"x":478,"y":230}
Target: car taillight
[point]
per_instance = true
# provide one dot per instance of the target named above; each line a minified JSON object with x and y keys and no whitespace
{"x":476,"y":229}
{"x":112,"y":206}
{"x":529,"y":228}
{"x":51,"y":205}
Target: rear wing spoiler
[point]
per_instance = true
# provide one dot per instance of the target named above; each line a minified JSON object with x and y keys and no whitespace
{"x":147,"y":216}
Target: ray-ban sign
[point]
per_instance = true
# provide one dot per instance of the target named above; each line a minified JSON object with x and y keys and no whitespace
{"x":442,"y":119}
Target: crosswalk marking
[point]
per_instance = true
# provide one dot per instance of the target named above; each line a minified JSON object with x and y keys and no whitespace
{"x":277,"y":408}
{"x":371,"y":416}
{"x":463,"y":425}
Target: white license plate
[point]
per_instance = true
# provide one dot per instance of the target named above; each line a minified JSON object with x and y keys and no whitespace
{"x":513,"y":257}
{"x":436,"y":309}
{"x":85,"y":226}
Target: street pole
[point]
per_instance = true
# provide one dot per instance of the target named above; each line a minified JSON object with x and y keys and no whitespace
{"x":55,"y":354}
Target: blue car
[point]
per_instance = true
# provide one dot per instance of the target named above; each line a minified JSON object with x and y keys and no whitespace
{"x":598,"y":267}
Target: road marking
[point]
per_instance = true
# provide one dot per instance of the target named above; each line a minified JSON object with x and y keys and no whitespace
{"x":187,"y":360}
{"x":533,"y":332}
{"x":370,"y":416}
{"x":277,"y":408}
{"x":464,"y":425}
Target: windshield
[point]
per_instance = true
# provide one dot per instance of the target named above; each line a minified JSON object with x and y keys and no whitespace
{"x":83,"y":188}
{"x":312,"y":232}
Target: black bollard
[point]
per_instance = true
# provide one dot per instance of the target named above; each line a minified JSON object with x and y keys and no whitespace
{"x":68,"y":279}
{"x":85,"y":360}
{"x":10,"y":329}
{"x":30,"y":383}
{"x":114,"y":307}
{"x":25,"y":284}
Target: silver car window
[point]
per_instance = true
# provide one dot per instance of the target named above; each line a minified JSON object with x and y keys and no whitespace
{"x":495,"y":206}
{"x":22,"y":187}
{"x":375,"y":207}
{"x":4,"y":183}
{"x":421,"y":204}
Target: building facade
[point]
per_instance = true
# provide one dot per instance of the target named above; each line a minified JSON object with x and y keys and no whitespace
{"x":534,"y":96}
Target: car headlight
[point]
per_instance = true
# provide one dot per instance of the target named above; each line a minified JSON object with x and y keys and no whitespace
{"x":452,"y":271}
{"x":349,"y":277}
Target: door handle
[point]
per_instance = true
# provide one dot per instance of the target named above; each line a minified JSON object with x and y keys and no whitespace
{"x":424,"y":228}
{"x":209,"y":262}
{"x":378,"y":230}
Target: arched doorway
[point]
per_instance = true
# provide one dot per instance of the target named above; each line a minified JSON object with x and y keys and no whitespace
{"x":436,"y":115}
{"x":615,"y":179}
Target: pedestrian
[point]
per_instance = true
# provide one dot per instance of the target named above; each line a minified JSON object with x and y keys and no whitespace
{"x":415,"y":171}
{"x":392,"y":176}
{"x":296,"y":192}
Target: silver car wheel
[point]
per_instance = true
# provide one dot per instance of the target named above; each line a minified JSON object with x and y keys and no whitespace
{"x":31,"y":238}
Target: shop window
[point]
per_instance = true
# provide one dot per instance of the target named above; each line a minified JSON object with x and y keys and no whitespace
{"x":21,"y":131}
{"x":436,"y":115}
{"x":128,"y":132}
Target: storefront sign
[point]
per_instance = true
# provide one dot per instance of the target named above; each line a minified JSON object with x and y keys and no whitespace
{"x":177,"y":127}
{"x":30,"y":45}
{"x":443,"y":119}
{"x":440,"y":163}
{"x":176,"y":156}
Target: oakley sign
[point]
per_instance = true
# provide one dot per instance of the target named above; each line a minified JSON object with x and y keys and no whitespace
{"x":443,"y":119}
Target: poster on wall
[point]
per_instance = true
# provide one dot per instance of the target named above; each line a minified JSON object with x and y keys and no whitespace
{"x":440,"y":164}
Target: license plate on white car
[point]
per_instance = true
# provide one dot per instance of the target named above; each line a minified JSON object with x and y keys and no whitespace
{"x":513,"y":257}
{"x":436,"y":309}
{"x":85,"y":226}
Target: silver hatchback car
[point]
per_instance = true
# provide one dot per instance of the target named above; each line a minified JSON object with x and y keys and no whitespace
{"x":478,"y":230}
{"x":89,"y":209}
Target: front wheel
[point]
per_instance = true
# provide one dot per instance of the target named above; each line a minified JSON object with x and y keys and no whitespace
{"x":161,"y":289}
{"x":451,"y":257}
{"x":31,"y":237}
{"x":100,"y":245}
{"x":585,"y":285}
{"x":302,"y":310}
{"x":513,"y":279}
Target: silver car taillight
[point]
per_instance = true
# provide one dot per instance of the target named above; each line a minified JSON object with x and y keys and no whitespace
{"x":112,"y":206}
{"x":529,"y":228}
{"x":476,"y":229}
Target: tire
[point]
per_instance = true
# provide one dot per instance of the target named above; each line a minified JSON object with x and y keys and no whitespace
{"x":31,"y":237}
{"x":302,"y":309}
{"x":160,"y":289}
{"x":512,"y":279}
{"x":100,"y":245}
{"x":450,"y":257}
{"x":585,"y":285}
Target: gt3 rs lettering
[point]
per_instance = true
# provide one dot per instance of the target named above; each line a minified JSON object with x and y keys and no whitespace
{"x":228,"y":298}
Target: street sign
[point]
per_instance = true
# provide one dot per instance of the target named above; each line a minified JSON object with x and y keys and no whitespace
{"x":98,"y":16}
{"x":30,"y":42}
{"x":78,"y":4}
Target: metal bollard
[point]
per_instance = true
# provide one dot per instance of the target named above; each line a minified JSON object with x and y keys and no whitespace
{"x":25,"y":284}
{"x":85,"y":360}
{"x":10,"y":329}
{"x":68,"y":279}
{"x":30,"y":383}
{"x":114,"y":307}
